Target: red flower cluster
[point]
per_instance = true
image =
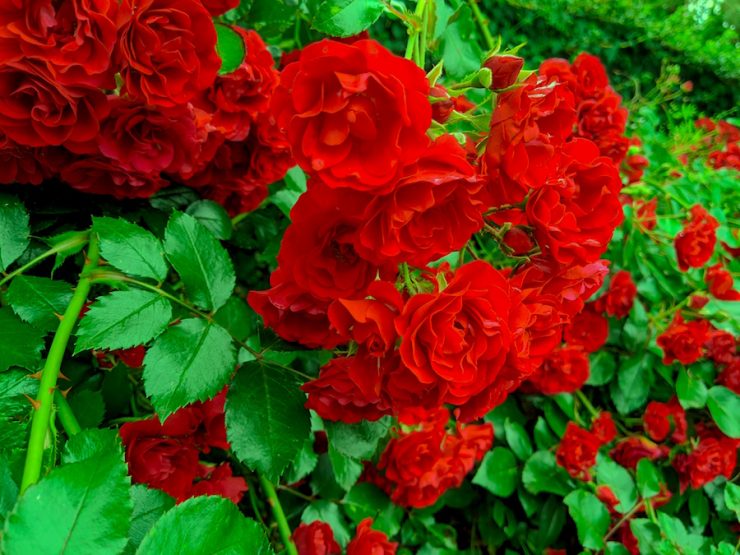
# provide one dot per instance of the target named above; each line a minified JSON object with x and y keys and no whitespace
{"x":723,"y":141}
{"x":695,"y":242}
{"x":174,"y":120}
{"x":601,"y":116}
{"x":683,"y":341}
{"x":578,"y":448}
{"x":714,"y":456}
{"x":166,"y":455}
{"x":629,"y":451}
{"x":620,"y":297}
{"x":317,"y":538}
{"x":665,"y":421}
{"x":418,"y":466}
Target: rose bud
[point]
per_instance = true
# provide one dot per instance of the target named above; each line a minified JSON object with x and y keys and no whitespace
{"x":442,"y":108}
{"x":504,"y":69}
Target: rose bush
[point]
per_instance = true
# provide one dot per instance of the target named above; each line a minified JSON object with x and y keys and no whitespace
{"x":272,"y":284}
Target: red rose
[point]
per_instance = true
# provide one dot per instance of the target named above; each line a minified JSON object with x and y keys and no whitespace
{"x":19,"y":164}
{"x":158,"y":459}
{"x":218,"y":7}
{"x":715,"y":456}
{"x":577,"y":451}
{"x":528,"y":126}
{"x":629,"y":451}
{"x":316,"y":538}
{"x":419,"y":466}
{"x":621,"y":295}
{"x":75,"y":38}
{"x":219,"y":480}
{"x":236,"y":99}
{"x":683,"y":341}
{"x":458,"y":339}
{"x":294,"y":314}
{"x":608,"y":498}
{"x":721,"y":284}
{"x":148,"y":140}
{"x":102,"y":176}
{"x":132,"y":357}
{"x":730,"y":376}
{"x":590,"y":75}
{"x":588,"y":330}
{"x":519,"y":240}
{"x":504,"y":70}
{"x":575,"y":216}
{"x":721,"y":347}
{"x":695,"y":242}
{"x":603,"y":427}
{"x":370,"y":542}
{"x":565,"y":370}
{"x":166,"y":50}
{"x":318,"y":248}
{"x":212,"y":429}
{"x":662,"y":420}
{"x":37,"y":110}
{"x":369,"y":322}
{"x":336,"y":394}
{"x":442,"y":106}
{"x":634,"y":166}
{"x":645,"y":213}
{"x":434,"y":209}
{"x":353,"y":113}
{"x":604,"y":121}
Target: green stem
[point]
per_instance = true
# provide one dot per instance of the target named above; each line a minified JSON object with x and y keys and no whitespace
{"x":586,"y":403}
{"x":66,"y":415}
{"x":74,"y":241}
{"x":423,"y":34}
{"x":482,"y":23}
{"x":279,"y":514}
{"x":50,"y":372}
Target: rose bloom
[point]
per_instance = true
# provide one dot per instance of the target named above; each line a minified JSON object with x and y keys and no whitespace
{"x":370,"y":542}
{"x":721,"y":347}
{"x":665,"y":420}
{"x":166,"y":50}
{"x":604,"y":428}
{"x":434,"y":209}
{"x":695,"y":242}
{"x":218,"y":7}
{"x":353,"y":113}
{"x":316,"y":538}
{"x":621,"y":295}
{"x":21,"y":164}
{"x":219,"y":480}
{"x":102,"y":176}
{"x":629,"y":451}
{"x":730,"y":375}
{"x":71,"y":114}
{"x":588,"y":329}
{"x":604,"y":121}
{"x":577,"y":451}
{"x":575,"y":215}
{"x":75,"y":39}
{"x":458,"y":339}
{"x":683,"y":341}
{"x":716,"y":455}
{"x":565,"y":370}
{"x":634,"y":166}
{"x":721,"y":284}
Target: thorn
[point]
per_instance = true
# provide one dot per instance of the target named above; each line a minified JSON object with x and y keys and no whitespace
{"x":35,"y":376}
{"x":63,"y":377}
{"x":59,"y":316}
{"x":34,"y":403}
{"x":64,"y":392}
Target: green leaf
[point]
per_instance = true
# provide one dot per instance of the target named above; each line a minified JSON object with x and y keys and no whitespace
{"x":357,"y":440}
{"x":67,"y":244}
{"x":461,"y":54}
{"x":14,"y":386}
{"x":88,"y":444}
{"x":39,"y":300}
{"x":619,"y":480}
{"x":648,"y":478}
{"x":265,"y":419}
{"x":88,"y":406}
{"x":123,"y":319}
{"x":690,"y":390}
{"x":344,"y":18}
{"x":212,"y":215}
{"x":615,"y":548}
{"x":149,"y":506}
{"x":699,"y":509}
{"x":636,"y":331}
{"x":550,"y":522}
{"x":591,"y":518}
{"x":518,"y":439}
{"x":631,"y":388}
{"x":724,"y":406}
{"x":21,"y":342}
{"x":543,"y":437}
{"x":14,"y":230}
{"x":330,"y":513}
{"x":82,"y":507}
{"x":647,"y":534}
{"x":203,"y":526}
{"x":542,"y":474}
{"x":236,"y":318}
{"x":346,"y":469}
{"x":366,"y":500}
{"x":230,"y":48}
{"x":191,"y":361}
{"x":732,"y":498}
{"x":271,"y":17}
{"x":203,"y":264}
{"x":498,"y":473}
{"x":130,"y":248}
{"x":603,"y":366}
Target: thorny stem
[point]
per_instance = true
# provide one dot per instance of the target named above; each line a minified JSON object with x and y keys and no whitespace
{"x":279,"y":514}
{"x":622,"y":520}
{"x":50,"y":372}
